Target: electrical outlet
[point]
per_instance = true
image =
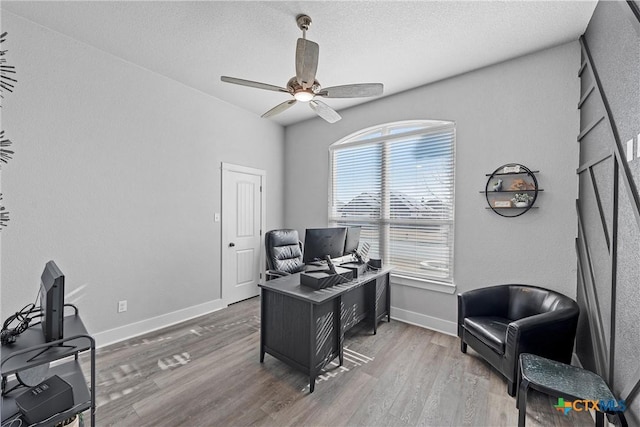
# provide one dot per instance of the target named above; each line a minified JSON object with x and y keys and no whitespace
{"x":122,"y":306}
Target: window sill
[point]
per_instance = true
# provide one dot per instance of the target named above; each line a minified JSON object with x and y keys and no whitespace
{"x":427,"y":284}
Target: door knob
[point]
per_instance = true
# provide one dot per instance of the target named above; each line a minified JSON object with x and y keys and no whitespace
{"x":231,"y":244}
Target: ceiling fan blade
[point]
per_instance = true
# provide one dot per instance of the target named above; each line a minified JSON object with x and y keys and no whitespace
{"x":251,"y":83}
{"x":306,"y":62}
{"x":359,"y":90}
{"x":324,"y":111}
{"x":279,"y":108}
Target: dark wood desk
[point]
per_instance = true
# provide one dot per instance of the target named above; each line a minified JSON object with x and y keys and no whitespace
{"x":305,"y":328}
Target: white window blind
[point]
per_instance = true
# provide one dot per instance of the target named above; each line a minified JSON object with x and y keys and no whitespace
{"x":397,"y":182}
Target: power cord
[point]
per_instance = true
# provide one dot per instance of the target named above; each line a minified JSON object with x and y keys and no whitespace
{"x":12,"y":419}
{"x":9,"y":422}
{"x":9,"y":334}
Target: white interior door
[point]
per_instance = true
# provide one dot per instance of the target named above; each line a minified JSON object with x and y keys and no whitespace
{"x":242,"y":223}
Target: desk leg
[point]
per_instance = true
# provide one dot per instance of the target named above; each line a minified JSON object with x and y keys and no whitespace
{"x":262,"y":328}
{"x":312,"y":349}
{"x":375,"y":284}
{"x":388,"y":298}
{"x":93,"y":382}
{"x":337,"y":310}
{"x":518,"y":382}
{"x":522,"y":402}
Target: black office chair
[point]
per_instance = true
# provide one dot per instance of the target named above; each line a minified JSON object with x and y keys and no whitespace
{"x":283,"y":253}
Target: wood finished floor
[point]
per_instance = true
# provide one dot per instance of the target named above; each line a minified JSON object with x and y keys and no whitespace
{"x":206,"y":372}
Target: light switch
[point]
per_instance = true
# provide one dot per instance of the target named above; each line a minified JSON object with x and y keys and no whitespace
{"x":216,"y":217}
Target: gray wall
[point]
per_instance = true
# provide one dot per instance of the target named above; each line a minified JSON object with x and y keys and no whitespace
{"x":608,"y":339}
{"x":117,"y":178}
{"x":522,"y":110}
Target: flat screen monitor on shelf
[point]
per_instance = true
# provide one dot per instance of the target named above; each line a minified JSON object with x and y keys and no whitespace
{"x":320,"y":242}
{"x":52,"y":302}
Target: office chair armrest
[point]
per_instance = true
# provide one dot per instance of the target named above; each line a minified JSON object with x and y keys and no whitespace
{"x":274,"y":274}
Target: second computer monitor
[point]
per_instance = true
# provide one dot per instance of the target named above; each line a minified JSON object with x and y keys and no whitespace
{"x":353,"y":240}
{"x":320,"y":242}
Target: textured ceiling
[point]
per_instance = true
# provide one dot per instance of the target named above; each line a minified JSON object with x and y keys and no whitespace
{"x":400,"y":44}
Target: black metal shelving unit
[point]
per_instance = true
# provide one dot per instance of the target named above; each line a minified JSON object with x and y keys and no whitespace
{"x":30,"y":351}
{"x":518,"y":170}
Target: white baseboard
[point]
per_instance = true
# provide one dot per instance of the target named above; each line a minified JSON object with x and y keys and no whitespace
{"x":122,"y":333}
{"x":125,"y":332}
{"x":429,"y":322}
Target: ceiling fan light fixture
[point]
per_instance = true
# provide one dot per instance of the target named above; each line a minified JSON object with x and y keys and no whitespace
{"x":304,"y":87}
{"x":304,"y":95}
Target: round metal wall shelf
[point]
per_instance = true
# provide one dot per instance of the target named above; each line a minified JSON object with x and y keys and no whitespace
{"x":503,"y":185}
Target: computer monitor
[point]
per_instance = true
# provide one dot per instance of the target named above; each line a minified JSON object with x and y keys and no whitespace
{"x":353,"y":240}
{"x":52,"y":302}
{"x":320,"y":242}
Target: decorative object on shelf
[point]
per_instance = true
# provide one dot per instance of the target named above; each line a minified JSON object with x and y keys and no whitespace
{"x":33,"y":376}
{"x":511,"y":168}
{"x":511,"y":190}
{"x":521,"y":200}
{"x":520,"y":184}
{"x":501,"y":203}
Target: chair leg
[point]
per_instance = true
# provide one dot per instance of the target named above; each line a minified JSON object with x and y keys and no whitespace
{"x":463,"y":346}
{"x":522,"y":403}
{"x":511,"y":388}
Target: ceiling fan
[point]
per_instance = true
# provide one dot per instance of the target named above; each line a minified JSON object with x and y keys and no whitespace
{"x":304,"y":87}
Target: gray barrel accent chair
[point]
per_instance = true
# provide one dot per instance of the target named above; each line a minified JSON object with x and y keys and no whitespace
{"x":500,"y":322}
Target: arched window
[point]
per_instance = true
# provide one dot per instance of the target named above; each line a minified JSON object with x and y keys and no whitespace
{"x":396,"y":181}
